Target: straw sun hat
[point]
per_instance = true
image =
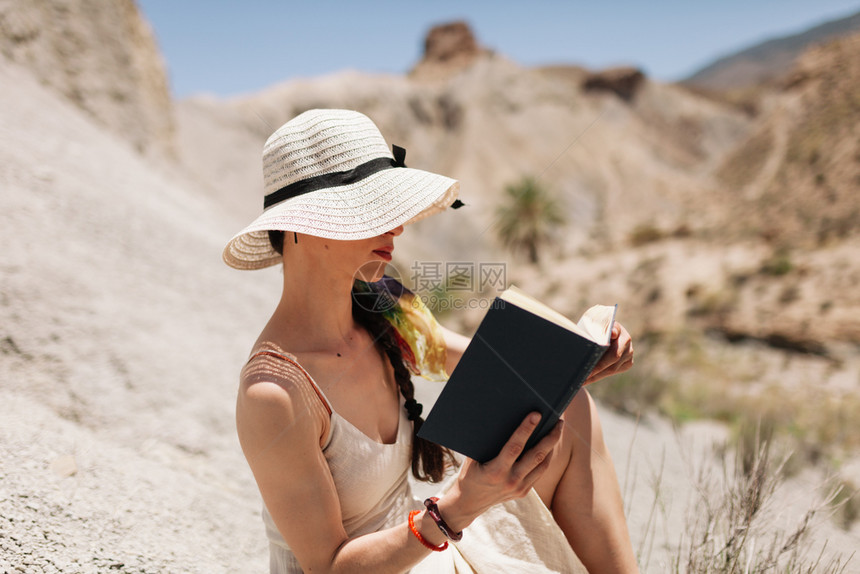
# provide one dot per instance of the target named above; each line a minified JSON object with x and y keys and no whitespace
{"x":329,"y":173}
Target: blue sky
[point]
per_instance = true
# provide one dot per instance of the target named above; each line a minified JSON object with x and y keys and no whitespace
{"x":229,"y":47}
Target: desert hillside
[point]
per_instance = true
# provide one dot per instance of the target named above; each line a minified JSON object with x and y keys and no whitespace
{"x":626,"y":159}
{"x":644,"y":171}
{"x":122,"y":333}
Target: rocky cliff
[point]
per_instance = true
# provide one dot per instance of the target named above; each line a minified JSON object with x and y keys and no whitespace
{"x":102,"y":56}
{"x":448,"y":49}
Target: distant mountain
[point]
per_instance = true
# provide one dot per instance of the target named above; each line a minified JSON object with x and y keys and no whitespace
{"x":768,"y":60}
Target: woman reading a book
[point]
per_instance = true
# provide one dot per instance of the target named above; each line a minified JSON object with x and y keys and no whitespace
{"x":326,"y":414}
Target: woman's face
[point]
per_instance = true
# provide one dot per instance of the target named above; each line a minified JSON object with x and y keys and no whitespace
{"x":363,"y":259}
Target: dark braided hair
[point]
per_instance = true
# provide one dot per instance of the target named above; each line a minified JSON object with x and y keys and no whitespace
{"x":428,"y":459}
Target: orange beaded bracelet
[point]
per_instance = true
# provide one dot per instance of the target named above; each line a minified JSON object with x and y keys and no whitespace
{"x":421,"y":538}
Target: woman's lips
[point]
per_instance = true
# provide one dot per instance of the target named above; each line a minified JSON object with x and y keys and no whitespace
{"x":384,"y":253}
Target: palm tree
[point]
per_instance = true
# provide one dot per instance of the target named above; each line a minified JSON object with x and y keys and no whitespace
{"x":529,"y":218}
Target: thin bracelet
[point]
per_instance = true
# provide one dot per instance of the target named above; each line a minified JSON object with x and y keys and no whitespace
{"x":434,"y":513}
{"x":421,"y":538}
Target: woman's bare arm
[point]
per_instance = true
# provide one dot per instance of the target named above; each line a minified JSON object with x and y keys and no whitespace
{"x":455,"y":344}
{"x":279,"y":430}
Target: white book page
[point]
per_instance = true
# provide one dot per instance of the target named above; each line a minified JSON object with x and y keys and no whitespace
{"x":595,"y":324}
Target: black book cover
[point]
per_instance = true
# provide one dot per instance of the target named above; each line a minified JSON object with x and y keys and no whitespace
{"x":516,"y":363}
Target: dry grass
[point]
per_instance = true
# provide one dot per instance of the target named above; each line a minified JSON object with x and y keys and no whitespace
{"x":730,"y":526}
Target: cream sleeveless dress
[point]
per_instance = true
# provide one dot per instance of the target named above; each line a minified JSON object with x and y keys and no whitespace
{"x":519,"y":536}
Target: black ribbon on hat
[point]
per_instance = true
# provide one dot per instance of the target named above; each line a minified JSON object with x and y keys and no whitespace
{"x":399,"y":154}
{"x":336,"y":178}
{"x":413,"y":409}
{"x":339,"y":178}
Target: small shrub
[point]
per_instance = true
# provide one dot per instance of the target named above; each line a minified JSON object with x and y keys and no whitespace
{"x":530,"y":217}
{"x":682,"y":231}
{"x":711,"y":303}
{"x":789,"y":294}
{"x":847,"y":502}
{"x":645,"y":233}
{"x":778,"y":264}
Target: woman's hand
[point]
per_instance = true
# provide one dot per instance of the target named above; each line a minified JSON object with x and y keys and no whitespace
{"x":618,"y":357}
{"x":480,"y":486}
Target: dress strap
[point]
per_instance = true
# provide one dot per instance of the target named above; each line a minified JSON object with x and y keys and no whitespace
{"x":314,"y":386}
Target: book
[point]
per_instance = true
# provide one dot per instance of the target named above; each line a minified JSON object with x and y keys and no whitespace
{"x":524,"y":357}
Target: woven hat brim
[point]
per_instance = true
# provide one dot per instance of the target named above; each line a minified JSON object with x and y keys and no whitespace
{"x":368,"y":208}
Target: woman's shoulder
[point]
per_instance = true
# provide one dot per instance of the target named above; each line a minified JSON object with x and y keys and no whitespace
{"x":273,"y":384}
{"x":268,"y":362}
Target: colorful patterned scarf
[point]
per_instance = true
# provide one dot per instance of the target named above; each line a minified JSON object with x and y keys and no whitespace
{"x":418,"y":334}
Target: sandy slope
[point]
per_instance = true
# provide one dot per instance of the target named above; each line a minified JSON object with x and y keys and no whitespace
{"x":121,"y":334}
